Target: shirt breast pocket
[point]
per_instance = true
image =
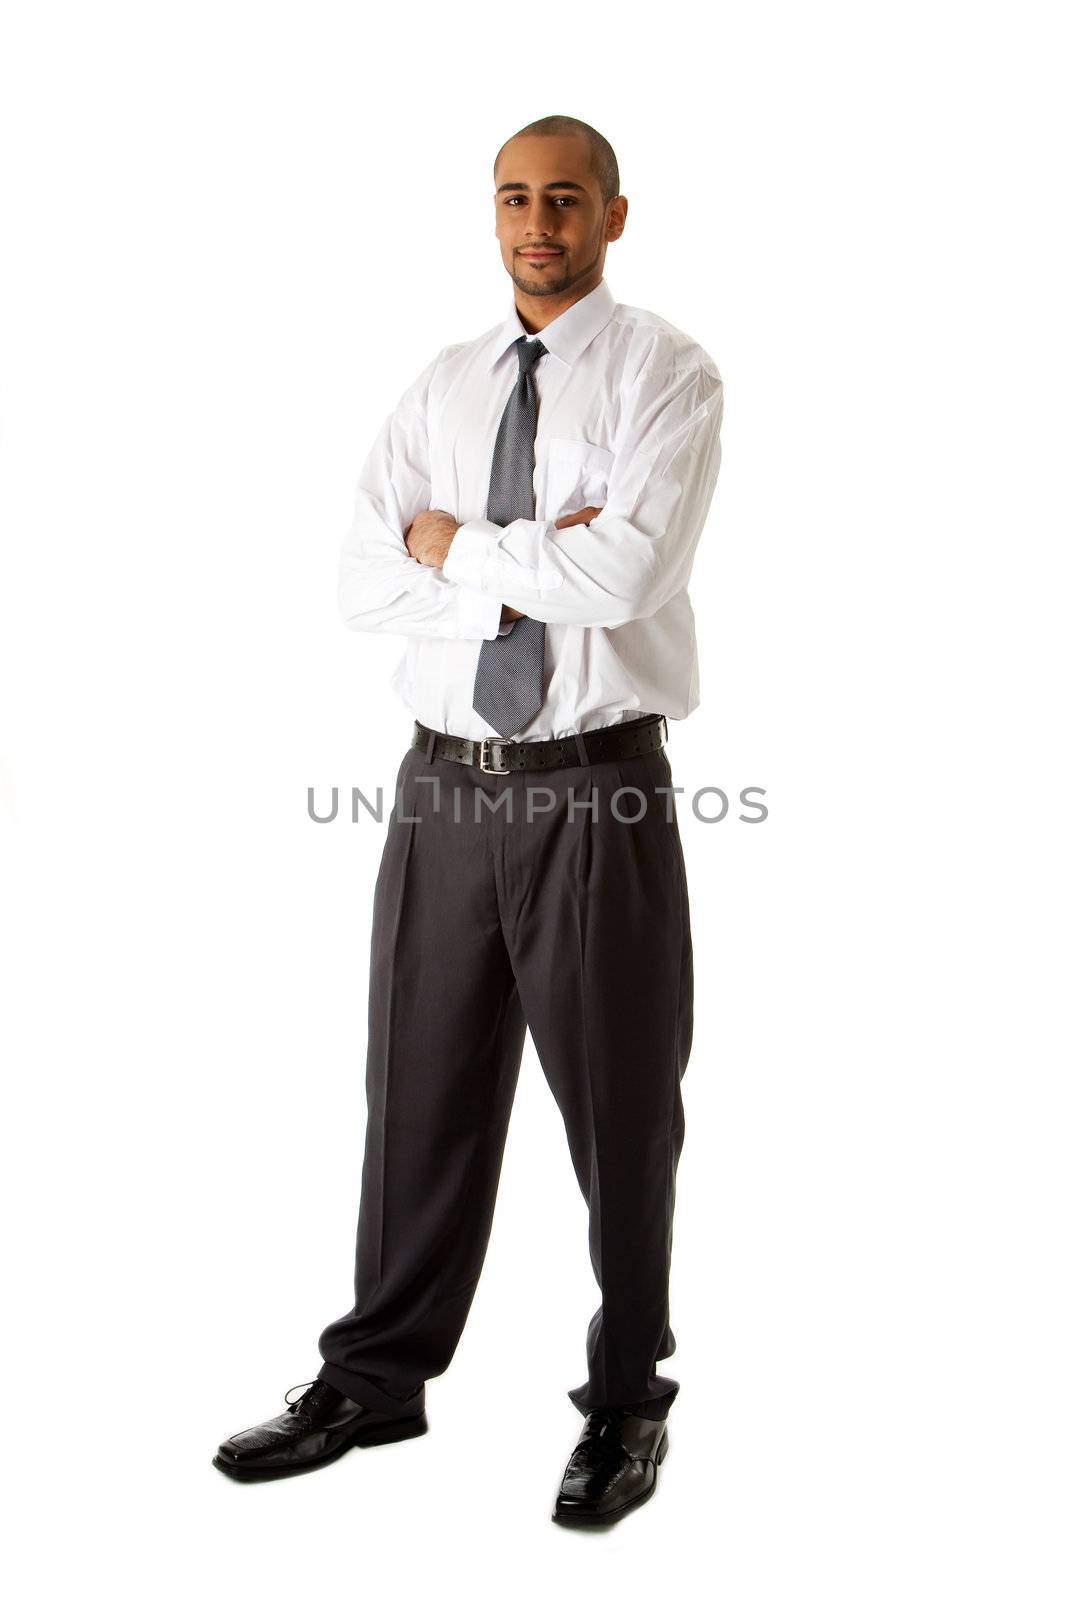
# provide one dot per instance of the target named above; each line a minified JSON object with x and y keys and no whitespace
{"x":577,"y":474}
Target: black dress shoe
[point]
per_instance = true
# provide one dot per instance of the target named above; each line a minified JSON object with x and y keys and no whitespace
{"x":612,"y":1468}
{"x":315,"y":1430}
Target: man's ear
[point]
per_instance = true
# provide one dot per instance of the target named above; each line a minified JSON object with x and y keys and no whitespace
{"x":616,"y":218}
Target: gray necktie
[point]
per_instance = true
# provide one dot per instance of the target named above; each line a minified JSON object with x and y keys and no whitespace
{"x":508,"y":685}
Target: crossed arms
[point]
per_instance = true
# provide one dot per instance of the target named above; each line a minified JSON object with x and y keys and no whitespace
{"x":429,"y":540}
{"x":409,"y":569}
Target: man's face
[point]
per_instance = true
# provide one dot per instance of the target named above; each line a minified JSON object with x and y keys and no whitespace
{"x":550,"y":216}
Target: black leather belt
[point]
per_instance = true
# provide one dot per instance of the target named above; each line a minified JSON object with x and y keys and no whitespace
{"x":639,"y":736}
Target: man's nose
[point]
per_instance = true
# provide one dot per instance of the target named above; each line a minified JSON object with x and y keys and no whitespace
{"x":540,"y":220}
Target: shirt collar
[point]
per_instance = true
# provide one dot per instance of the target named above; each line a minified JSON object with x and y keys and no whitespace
{"x":567,"y":335}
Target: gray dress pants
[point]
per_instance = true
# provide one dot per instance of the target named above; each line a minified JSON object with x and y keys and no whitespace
{"x":576,"y":925}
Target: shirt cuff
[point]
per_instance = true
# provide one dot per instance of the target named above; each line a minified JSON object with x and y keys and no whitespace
{"x":473,"y":545}
{"x":477,"y":614}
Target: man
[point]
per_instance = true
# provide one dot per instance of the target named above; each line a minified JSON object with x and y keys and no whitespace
{"x":532,"y":873}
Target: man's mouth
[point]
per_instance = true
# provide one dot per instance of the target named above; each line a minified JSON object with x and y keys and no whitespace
{"x":539,"y":255}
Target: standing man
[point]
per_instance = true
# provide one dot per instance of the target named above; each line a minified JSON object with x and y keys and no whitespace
{"x":528,"y":517}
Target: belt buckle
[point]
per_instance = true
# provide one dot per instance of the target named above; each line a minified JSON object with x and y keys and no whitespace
{"x":483,"y":751}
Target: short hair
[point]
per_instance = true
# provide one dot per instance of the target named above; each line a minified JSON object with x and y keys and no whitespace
{"x":601,"y":155}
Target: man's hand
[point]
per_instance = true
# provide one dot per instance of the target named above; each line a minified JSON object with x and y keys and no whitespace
{"x":586,"y":515}
{"x":430,"y":537}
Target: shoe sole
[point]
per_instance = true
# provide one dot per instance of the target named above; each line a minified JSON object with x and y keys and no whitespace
{"x":600,"y":1519}
{"x":384,"y":1433}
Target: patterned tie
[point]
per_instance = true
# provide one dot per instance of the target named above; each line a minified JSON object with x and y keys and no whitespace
{"x":508,"y":686}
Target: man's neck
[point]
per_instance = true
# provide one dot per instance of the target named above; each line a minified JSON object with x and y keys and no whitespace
{"x":535,"y":312}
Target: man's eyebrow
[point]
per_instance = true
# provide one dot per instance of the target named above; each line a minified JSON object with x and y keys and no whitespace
{"x":561,"y":184}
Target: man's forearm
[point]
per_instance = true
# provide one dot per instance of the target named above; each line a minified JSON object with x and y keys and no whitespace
{"x":428,"y":540}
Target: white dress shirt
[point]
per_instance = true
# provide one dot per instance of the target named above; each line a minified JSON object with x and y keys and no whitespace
{"x":629,"y":409}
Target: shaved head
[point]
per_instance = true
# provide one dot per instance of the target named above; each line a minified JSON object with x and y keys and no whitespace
{"x":602,"y":162}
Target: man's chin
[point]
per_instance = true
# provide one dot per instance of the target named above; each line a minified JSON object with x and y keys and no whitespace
{"x":543,"y":285}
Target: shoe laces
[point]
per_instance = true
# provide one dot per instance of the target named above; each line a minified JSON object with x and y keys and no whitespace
{"x":602,"y":1435}
{"x":315,"y":1392}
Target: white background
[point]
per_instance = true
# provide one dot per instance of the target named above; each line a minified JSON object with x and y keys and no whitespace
{"x":233,"y":234}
